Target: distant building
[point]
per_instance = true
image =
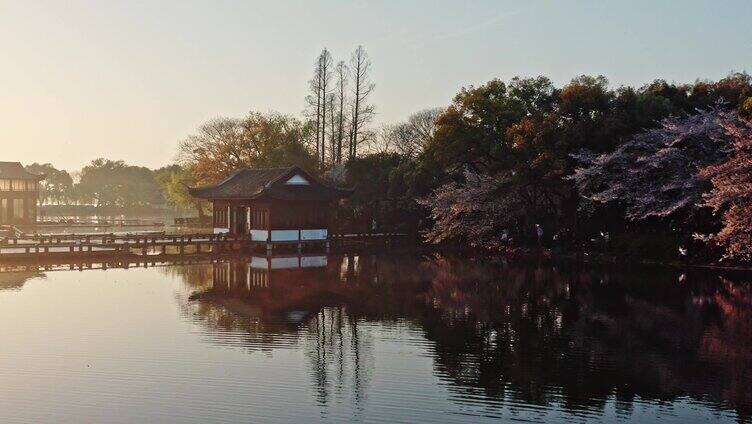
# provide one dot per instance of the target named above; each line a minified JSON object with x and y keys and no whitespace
{"x":19,"y":193}
{"x":273,"y":204}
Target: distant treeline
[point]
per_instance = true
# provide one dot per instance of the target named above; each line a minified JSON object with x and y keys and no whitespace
{"x":105,"y":184}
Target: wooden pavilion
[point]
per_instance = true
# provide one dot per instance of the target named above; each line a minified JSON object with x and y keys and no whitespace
{"x":19,"y":193}
{"x":272,"y":205}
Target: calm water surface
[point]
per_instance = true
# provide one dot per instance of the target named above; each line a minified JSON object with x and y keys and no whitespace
{"x":402,"y":338}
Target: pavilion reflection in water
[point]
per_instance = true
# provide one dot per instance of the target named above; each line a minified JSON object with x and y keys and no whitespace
{"x":272,"y":302}
{"x":260,"y":271}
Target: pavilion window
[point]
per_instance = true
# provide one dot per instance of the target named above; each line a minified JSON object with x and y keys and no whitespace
{"x":259,"y":218}
{"x":18,"y":208}
{"x":4,"y":211}
{"x":4,"y":185}
{"x":221,"y":217}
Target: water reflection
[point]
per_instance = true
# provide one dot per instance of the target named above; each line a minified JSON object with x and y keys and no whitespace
{"x":14,"y":280}
{"x":501,"y":335}
{"x":285,"y":302}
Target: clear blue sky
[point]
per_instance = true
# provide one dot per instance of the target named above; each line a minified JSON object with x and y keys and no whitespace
{"x":128,"y":80}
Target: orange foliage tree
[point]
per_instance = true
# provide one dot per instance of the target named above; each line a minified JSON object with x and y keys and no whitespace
{"x":224,"y":145}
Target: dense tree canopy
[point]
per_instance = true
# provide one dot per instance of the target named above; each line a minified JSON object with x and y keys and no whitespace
{"x":640,"y":148}
{"x":472,"y":132}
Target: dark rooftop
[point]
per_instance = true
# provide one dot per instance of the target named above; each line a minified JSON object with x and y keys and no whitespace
{"x":14,"y":170}
{"x":269,"y":182}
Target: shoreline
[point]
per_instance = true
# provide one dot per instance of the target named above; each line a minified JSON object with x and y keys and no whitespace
{"x":600,"y":259}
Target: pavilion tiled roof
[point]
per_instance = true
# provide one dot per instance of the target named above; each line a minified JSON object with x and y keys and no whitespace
{"x":250,"y":183}
{"x":16,"y":171}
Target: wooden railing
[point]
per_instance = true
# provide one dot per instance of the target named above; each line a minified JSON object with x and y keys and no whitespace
{"x":194,"y":221}
{"x":9,"y":231}
{"x":367,"y":235}
{"x":103,"y":222}
{"x":110,"y":238}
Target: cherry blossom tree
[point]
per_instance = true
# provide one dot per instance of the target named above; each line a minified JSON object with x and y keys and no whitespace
{"x":655,"y":174}
{"x":477,"y":210}
{"x":732,"y":192}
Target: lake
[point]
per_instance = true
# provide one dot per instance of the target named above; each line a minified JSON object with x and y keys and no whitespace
{"x":404,"y":337}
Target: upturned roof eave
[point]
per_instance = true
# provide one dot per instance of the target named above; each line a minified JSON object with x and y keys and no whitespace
{"x":215,"y":191}
{"x":265,"y":195}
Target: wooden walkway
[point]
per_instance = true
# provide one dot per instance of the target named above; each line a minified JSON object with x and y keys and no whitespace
{"x":118,"y":244}
{"x":17,"y":246}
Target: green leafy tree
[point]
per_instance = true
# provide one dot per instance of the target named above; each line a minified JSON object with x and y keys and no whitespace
{"x":57,"y":186}
{"x":175,"y":181}
{"x":381,"y":193}
{"x":107,"y":183}
{"x":472,"y":132}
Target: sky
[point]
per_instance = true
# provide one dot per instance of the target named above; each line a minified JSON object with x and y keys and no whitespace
{"x":130,"y":79}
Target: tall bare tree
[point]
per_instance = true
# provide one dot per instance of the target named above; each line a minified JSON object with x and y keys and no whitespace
{"x":407,"y":138}
{"x":333,"y":128}
{"x":362,"y":112}
{"x":320,"y":87}
{"x":325,"y":75}
{"x":341,"y":76}
{"x":313,"y":103}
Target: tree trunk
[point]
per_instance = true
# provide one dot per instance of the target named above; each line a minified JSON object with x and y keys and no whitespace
{"x":356,"y":112}
{"x":333,"y":137}
{"x":341,"y":130}
{"x":318,"y":112}
{"x":323,"y":123}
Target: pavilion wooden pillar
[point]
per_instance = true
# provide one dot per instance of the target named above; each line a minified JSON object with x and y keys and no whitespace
{"x":231,"y":218}
{"x":269,"y":230}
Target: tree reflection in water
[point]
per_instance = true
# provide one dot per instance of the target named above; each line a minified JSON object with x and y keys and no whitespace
{"x":532,"y":333}
{"x":15,"y":280}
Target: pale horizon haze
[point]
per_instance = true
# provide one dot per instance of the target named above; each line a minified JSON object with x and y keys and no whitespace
{"x":129,"y":80}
